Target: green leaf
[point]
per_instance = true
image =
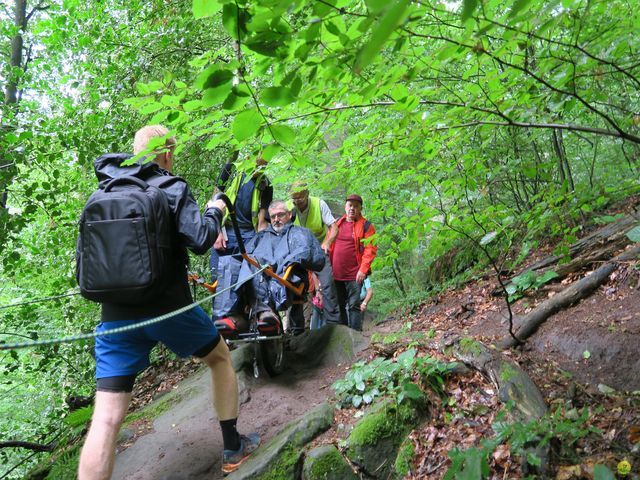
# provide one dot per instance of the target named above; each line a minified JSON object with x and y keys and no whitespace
{"x":392,"y":18}
{"x":412,"y":391}
{"x":600,"y":472}
{"x":277,"y":96}
{"x":586,"y":354}
{"x":246,"y":124}
{"x":170,"y":101}
{"x":270,"y":151}
{"x":283,"y":134}
{"x":235,"y":101}
{"x":213,"y":96}
{"x":150,"y":108}
{"x":192,"y":105}
{"x":266,"y":43}
{"x":218,"y":78}
{"x":545,"y":277}
{"x":376,"y":6}
{"x":205,"y":8}
{"x":518,"y":6}
{"x":468,"y":7}
{"x":634,"y":234}
{"x":474,"y":465}
{"x":235,"y":20}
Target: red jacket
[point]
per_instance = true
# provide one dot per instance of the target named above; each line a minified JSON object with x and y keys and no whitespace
{"x":364,"y":253}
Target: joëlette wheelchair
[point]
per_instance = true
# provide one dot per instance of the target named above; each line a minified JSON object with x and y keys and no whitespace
{"x":270,"y":339}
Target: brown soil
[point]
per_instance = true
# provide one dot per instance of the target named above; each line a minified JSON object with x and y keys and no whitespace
{"x":575,"y":358}
{"x":185,"y":442}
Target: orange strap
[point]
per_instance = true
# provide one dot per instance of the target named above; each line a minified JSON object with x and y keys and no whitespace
{"x":197,"y":280}
{"x":298,"y":290}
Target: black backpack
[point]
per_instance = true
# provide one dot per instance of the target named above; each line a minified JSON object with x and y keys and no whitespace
{"x":124,"y":251}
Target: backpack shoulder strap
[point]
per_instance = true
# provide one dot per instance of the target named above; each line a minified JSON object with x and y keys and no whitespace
{"x":367,"y":224}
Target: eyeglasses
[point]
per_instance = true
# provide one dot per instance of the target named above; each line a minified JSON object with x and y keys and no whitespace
{"x":278,"y":214}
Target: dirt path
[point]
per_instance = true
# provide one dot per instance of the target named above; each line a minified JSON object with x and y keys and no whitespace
{"x":184,"y":442}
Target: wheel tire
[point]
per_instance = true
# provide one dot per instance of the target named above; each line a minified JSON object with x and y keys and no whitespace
{"x":272,"y":352}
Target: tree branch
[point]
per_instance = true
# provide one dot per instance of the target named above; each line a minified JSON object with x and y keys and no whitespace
{"x":35,"y":447}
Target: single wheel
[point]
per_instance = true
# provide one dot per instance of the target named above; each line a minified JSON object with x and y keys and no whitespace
{"x":272,"y":352}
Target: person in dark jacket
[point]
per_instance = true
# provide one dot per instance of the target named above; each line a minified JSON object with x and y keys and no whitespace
{"x":279,"y":245}
{"x":120,"y":357}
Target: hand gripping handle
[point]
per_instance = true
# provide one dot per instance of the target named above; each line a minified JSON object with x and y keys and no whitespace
{"x":232,"y":215}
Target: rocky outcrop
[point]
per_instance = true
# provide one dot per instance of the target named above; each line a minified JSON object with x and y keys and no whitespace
{"x":281,"y":457}
{"x":327,"y":463}
{"x":375,"y":440}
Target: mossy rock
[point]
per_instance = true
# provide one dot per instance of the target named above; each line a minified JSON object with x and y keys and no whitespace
{"x":406,"y":453}
{"x":326,"y":463}
{"x":374,"y":441}
{"x":281,"y":457}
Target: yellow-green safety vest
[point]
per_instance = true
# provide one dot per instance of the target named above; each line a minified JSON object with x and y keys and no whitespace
{"x":232,"y":192}
{"x":314,"y":218}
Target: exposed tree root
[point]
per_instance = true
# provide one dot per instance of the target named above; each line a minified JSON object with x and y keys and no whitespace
{"x":570,"y":295}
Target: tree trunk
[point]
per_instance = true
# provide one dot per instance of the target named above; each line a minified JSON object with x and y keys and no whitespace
{"x":10,"y":99}
{"x":570,"y":295}
{"x":17,"y":44}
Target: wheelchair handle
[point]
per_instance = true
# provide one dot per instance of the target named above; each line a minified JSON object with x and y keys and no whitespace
{"x":234,"y":222}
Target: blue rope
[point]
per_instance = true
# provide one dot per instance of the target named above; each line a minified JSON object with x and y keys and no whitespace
{"x":145,"y":323}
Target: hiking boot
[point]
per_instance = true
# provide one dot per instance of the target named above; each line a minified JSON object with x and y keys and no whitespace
{"x":268,"y":323}
{"x":232,"y":459}
{"x":231,"y":325}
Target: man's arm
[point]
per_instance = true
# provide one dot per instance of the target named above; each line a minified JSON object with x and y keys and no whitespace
{"x":196,"y":231}
{"x":304,"y":250}
{"x":332,"y":230}
{"x":368,"y":255}
{"x":332,"y":233}
{"x":262,"y":219}
{"x":367,"y":298}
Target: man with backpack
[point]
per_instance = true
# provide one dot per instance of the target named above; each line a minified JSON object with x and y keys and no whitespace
{"x":134,"y":235}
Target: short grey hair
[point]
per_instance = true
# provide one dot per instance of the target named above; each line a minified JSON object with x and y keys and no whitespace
{"x":145,"y":134}
{"x":277,"y":203}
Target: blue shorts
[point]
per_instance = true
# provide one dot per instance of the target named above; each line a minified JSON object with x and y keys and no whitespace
{"x":127,"y":353}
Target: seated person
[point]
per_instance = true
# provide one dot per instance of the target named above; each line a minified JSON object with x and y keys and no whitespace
{"x":280,"y":245}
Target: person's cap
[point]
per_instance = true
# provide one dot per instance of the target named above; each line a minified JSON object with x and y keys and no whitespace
{"x":354,"y":198}
{"x":299,"y":186}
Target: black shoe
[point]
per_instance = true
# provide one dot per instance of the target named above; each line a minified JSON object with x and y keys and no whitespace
{"x":269,"y":323}
{"x":231,"y":325}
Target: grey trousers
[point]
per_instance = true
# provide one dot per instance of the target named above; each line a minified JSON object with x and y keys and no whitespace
{"x":330,"y":309}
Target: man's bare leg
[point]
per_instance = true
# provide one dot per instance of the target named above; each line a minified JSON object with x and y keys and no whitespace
{"x":224,"y":382}
{"x":98,"y":452}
